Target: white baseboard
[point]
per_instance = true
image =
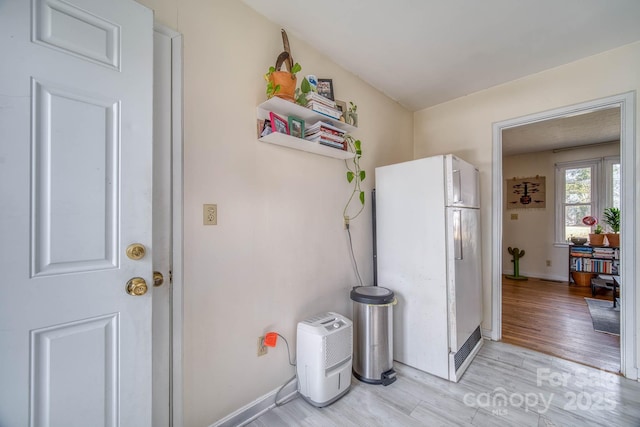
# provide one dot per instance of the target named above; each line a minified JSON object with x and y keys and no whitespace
{"x":487,"y":334}
{"x":253,"y":410}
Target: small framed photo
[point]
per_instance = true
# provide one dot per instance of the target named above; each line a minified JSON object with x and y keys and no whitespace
{"x":266,"y":128}
{"x":325,"y":88}
{"x":296,"y":127}
{"x":342,"y":107}
{"x":278,"y":124}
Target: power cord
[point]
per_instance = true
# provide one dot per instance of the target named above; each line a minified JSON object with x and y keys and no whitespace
{"x":353,"y":257}
{"x":295,"y":396}
{"x":288,"y":352}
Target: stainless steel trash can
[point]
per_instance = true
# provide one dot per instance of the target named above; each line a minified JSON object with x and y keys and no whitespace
{"x":373,"y":334}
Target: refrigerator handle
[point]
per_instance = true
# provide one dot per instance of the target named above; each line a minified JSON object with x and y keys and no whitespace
{"x":457,"y":186}
{"x":457,"y":234}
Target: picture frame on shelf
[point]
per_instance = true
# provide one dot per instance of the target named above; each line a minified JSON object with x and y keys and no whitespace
{"x":342,"y":107}
{"x":278,"y":124}
{"x":266,"y":128}
{"x":296,"y":127}
{"x":260,"y":127}
{"x":325,"y":88}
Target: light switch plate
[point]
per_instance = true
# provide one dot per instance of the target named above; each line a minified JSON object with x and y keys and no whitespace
{"x":210,"y":214}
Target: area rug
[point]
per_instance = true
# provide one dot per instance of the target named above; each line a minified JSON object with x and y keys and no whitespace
{"x":605,"y":318}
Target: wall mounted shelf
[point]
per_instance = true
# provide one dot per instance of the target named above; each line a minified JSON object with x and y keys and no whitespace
{"x":285,"y":109}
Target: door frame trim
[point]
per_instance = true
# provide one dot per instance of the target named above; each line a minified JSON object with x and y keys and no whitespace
{"x":626,"y":102}
{"x":176,"y":391}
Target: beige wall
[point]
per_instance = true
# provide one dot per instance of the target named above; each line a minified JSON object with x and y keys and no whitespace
{"x":534,"y":229}
{"x":279,"y":252}
{"x":464,"y":126}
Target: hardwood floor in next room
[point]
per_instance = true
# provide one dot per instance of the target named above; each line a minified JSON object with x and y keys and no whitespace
{"x":553,"y":318}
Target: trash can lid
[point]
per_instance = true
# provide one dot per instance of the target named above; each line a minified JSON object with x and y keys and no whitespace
{"x":372,"y":295}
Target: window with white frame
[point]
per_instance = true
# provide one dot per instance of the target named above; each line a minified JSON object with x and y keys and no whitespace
{"x":584,"y":188}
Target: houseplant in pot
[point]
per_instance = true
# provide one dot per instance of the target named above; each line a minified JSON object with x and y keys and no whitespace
{"x":283,"y":83}
{"x":612,"y":219}
{"x":596,"y":238}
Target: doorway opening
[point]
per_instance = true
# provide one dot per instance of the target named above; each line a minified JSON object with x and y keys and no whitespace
{"x":626,"y":108}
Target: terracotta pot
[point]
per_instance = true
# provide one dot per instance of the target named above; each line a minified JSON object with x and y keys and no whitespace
{"x":613,"y":239}
{"x":287,"y":82}
{"x":596,"y":239}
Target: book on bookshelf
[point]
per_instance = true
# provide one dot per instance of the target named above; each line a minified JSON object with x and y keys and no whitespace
{"x":316,"y":97}
{"x":332,"y":144}
{"x":329,"y":138}
{"x":323,"y":109}
{"x":327,"y":127}
{"x":326,"y":136}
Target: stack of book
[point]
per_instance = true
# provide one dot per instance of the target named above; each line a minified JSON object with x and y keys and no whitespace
{"x":322,"y":105}
{"x":581,"y":251}
{"x":604,"y":252}
{"x":326,"y":134}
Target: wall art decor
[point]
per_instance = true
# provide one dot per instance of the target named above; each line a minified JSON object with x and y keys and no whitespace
{"x":526,"y":193}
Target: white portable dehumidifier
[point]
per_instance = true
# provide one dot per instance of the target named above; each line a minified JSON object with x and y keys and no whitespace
{"x":324,"y":351}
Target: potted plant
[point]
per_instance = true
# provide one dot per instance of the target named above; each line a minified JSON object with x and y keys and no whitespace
{"x":283,"y":83}
{"x":612,"y":219}
{"x":355,"y":176}
{"x":352,"y":115}
{"x":597,"y":237}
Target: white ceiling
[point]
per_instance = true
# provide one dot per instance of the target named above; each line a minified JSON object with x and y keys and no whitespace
{"x":425,"y":52}
{"x":594,"y":127}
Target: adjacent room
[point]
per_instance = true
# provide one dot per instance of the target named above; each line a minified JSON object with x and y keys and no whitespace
{"x":556,"y":173}
{"x":202,"y":199}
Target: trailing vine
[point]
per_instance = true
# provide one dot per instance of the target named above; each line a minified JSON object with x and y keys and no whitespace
{"x":355,"y":176}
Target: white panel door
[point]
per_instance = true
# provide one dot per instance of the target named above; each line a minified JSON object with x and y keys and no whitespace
{"x":75,"y":189}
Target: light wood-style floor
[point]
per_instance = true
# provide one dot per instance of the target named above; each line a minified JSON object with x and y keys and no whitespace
{"x":505,"y":385}
{"x":553,"y":318}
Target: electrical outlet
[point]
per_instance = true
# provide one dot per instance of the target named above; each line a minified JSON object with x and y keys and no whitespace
{"x":210,"y":214}
{"x":262,"y":349}
{"x":514,"y":216}
{"x":548,"y":263}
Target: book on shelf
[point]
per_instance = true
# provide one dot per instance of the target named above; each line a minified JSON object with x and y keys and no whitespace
{"x":593,"y":266}
{"x":324,"y":110}
{"x":316,"y":97}
{"x":327,"y":138}
{"x":332,"y":144}
{"x":326,"y":127}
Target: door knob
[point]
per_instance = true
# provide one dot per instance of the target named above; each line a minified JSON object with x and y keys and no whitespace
{"x":136,"y":251}
{"x":158,"y":278}
{"x":137,"y":287}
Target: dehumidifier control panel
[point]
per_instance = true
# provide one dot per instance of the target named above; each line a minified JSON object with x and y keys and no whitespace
{"x":333,"y":324}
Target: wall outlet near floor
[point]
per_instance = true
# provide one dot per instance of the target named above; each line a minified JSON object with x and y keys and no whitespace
{"x":514,"y":216}
{"x":210,"y":214}
{"x":548,"y":263}
{"x":262,"y":349}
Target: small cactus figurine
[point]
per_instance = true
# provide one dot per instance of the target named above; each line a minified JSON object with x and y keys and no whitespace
{"x":516,"y":254}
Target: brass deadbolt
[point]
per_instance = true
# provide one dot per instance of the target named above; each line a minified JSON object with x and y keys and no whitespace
{"x":136,"y":251}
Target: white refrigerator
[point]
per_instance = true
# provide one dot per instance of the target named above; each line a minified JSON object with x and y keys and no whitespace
{"x":428,"y":253}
